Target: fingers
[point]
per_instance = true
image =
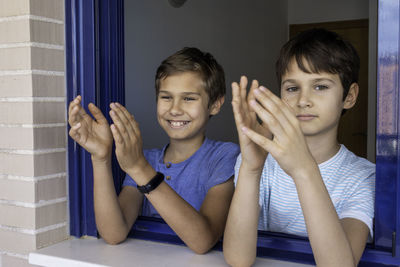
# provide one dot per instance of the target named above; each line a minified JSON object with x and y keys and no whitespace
{"x":74,"y":132}
{"x":76,"y":113}
{"x":281,"y":105}
{"x":125,"y":128}
{"x":254,"y":85}
{"x":274,"y":112}
{"x":274,"y":122}
{"x":267,"y":144}
{"x":97,"y":114}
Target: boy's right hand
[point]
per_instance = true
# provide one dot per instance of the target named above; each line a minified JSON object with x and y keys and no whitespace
{"x":253,"y":156}
{"x":93,"y":135}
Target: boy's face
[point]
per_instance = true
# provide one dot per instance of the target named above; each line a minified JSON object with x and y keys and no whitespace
{"x":316,"y":98}
{"x":182,"y":106}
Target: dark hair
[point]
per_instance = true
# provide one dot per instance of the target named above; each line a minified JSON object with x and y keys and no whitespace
{"x":324,"y":51}
{"x":191,"y":59}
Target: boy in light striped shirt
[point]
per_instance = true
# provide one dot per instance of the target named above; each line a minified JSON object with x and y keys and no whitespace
{"x":293,"y":176}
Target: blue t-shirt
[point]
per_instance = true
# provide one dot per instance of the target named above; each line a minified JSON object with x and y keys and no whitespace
{"x":212,"y":164}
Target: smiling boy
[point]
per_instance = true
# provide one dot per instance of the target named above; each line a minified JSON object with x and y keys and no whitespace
{"x":293,"y":176}
{"x":189,"y":182}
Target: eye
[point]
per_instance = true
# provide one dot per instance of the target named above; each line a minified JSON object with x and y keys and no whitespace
{"x":189,"y":98}
{"x":165,"y":97}
{"x":321,"y":87}
{"x":292,"y":89}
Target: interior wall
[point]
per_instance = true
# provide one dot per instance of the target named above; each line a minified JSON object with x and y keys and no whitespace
{"x":311,"y":11}
{"x":244,"y":37}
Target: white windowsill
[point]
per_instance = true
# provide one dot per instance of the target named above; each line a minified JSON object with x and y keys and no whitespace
{"x":133,"y":252}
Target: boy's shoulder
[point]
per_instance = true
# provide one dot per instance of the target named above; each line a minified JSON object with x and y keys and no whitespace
{"x":348,"y":168}
{"x":348,"y":158}
{"x":213,"y":147}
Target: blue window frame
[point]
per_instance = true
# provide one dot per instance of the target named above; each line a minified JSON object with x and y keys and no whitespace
{"x":95,"y":69}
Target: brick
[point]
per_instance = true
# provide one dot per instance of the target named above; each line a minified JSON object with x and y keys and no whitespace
{"x":16,"y":138}
{"x":15,"y":113}
{"x":48,"y":8}
{"x":16,"y":190}
{"x":14,"y":8}
{"x":33,"y":191}
{"x":51,"y":237}
{"x":50,"y":137}
{"x":13,"y":164}
{"x":46,"y":164}
{"x":18,"y":58}
{"x":51,"y":214}
{"x":16,"y":242}
{"x":49,"y":112}
{"x":10,"y":261}
{"x":51,"y":189}
{"x":15,"y":216}
{"x":46,"y":32}
{"x":51,"y":86}
{"x":15,"y":85}
{"x":47,"y":59}
{"x":17,"y":31}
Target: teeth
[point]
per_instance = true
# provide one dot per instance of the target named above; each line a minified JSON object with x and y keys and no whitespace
{"x":177,"y":123}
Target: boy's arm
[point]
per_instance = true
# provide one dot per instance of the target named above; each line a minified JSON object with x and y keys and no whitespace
{"x":199,"y":230}
{"x":240,"y":238}
{"x":96,"y":138}
{"x":114,"y":214}
{"x":330,"y":238}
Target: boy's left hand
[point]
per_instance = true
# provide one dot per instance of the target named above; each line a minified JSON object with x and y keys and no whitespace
{"x":288,"y":146}
{"x":128,"y":140}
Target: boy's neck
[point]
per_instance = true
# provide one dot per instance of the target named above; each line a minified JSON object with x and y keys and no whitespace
{"x":180,"y":150}
{"x":323,"y":148}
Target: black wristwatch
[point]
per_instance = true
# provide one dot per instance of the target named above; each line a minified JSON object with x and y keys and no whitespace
{"x":152,"y":184}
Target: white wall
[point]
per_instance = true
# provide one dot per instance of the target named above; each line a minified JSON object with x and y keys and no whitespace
{"x":244,"y":36}
{"x":311,"y":11}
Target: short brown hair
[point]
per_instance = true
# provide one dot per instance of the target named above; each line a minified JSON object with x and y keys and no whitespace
{"x":191,"y":59}
{"x":324,"y":51}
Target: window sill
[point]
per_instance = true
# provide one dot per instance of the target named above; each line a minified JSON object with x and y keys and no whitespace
{"x":96,"y":253}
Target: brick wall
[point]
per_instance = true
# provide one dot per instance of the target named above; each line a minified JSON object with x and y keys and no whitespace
{"x":33,"y":191}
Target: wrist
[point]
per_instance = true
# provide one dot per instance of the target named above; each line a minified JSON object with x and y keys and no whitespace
{"x":101,"y":160}
{"x":305,"y":173}
{"x":142,"y":173}
{"x":250,"y":170}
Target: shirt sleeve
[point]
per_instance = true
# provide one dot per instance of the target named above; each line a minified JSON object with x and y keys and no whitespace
{"x":222,"y":164}
{"x":360,"y":205}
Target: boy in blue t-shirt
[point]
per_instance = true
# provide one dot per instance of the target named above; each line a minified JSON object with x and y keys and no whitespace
{"x":189,"y":183}
{"x":293,"y":176}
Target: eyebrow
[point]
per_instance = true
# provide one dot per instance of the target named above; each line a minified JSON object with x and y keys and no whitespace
{"x":314,"y":80}
{"x":183,"y":93}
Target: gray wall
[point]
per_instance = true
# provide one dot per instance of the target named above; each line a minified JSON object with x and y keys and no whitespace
{"x":311,"y":11}
{"x":244,"y":36}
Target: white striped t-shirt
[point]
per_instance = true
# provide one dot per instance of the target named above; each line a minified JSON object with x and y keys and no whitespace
{"x":349,"y":179}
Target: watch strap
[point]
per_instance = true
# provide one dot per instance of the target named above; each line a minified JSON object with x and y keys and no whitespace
{"x":152,"y":184}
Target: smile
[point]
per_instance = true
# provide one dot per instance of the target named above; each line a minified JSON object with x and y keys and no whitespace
{"x":177,"y":124}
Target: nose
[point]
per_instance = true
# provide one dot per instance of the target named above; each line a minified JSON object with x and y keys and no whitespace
{"x":175,"y":108}
{"x":304,"y":99}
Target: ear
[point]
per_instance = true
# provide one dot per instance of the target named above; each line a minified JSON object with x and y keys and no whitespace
{"x":351,"y":97}
{"x":216,"y":106}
